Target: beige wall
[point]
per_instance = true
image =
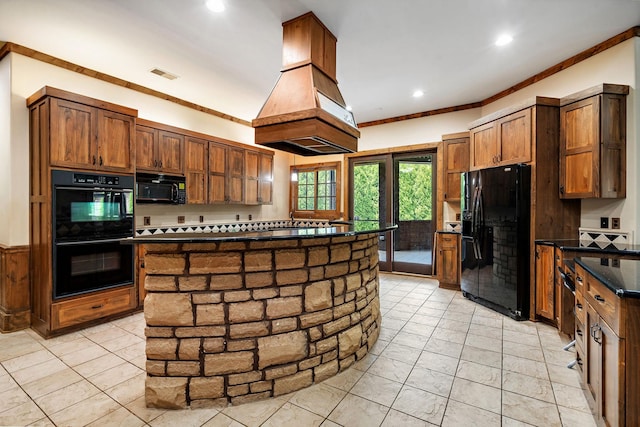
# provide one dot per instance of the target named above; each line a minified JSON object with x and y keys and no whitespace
{"x":616,"y":65}
{"x":21,"y":76}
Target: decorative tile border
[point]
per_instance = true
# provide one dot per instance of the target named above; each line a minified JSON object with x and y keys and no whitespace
{"x":453,"y":226}
{"x":231,"y":227}
{"x":592,"y":237}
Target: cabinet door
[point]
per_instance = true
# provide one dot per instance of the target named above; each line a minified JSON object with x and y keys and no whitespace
{"x":448,"y":260}
{"x":195,"y":169}
{"x":73,"y":134}
{"x":217,"y":172}
{"x":593,"y":355}
{"x":545,"y":282}
{"x":514,"y":137}
{"x":145,"y":148}
{"x":169,"y":152}
{"x":235,"y":177}
{"x":252,"y":165}
{"x":115,"y":132}
{"x":612,"y":376}
{"x":579,"y":148}
{"x":266,"y":179}
{"x":456,"y":159}
{"x":484,"y":146}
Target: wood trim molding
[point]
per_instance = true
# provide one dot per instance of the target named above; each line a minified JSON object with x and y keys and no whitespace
{"x":391,"y":150}
{"x":8,"y":47}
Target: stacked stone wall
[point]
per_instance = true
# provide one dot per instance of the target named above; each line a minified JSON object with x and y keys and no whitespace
{"x":235,"y":322}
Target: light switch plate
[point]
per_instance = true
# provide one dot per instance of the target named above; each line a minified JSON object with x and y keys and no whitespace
{"x":604,"y":222}
{"x":181,"y":219}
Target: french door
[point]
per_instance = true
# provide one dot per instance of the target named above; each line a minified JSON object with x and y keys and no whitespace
{"x":398,"y":188}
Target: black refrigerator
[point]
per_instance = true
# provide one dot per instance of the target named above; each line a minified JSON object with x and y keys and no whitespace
{"x":495,"y":207}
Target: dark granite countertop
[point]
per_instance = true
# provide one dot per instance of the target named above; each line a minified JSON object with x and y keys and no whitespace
{"x":622,"y":276}
{"x":576,"y":245}
{"x":335,"y":230}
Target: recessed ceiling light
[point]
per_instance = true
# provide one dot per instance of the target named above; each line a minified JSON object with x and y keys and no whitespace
{"x":418,"y":93}
{"x":504,"y":40}
{"x":216,"y":6}
{"x":348,"y":107}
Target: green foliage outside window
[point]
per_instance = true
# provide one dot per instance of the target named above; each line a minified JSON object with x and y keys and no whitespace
{"x":366,"y":191}
{"x":415,"y":191}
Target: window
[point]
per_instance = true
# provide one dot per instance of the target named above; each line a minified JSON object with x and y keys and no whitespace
{"x":316,"y":192}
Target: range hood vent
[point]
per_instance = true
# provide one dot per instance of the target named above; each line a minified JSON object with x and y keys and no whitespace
{"x":305,"y":113}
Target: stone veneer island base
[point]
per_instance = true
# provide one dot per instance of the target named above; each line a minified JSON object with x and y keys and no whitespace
{"x":236,"y":320}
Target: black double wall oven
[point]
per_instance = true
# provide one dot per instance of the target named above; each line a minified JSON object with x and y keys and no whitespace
{"x":91,"y":214}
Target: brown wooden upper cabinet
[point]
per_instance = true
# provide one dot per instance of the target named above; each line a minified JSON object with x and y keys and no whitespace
{"x":456,"y":160}
{"x":258,"y":178}
{"x":226,"y":173}
{"x":196,"y":153}
{"x":505,"y":140}
{"x":158,"y":148}
{"x":593,"y":143}
{"x":87,"y":137}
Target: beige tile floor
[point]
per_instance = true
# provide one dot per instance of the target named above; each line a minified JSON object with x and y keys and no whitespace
{"x":440,"y":360}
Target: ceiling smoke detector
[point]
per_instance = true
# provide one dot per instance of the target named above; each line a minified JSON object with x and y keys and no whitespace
{"x":165,"y":74}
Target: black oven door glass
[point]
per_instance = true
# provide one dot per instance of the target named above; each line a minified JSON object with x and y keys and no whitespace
{"x":85,"y":267}
{"x":92,"y":213}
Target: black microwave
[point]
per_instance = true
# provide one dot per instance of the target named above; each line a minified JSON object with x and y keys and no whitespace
{"x":160,"y":188}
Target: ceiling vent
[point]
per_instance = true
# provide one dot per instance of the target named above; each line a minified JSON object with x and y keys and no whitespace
{"x":305,"y":113}
{"x":164,"y":74}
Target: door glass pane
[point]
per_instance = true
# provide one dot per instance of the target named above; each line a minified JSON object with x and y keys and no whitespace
{"x":414,"y":196}
{"x":369,"y":197}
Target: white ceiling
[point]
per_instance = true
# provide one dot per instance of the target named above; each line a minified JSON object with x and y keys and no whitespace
{"x":386,"y":48}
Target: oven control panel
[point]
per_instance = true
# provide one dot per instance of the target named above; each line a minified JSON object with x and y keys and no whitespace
{"x":82,"y":178}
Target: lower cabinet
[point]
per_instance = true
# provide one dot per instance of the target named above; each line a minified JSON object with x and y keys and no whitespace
{"x":448,"y":259}
{"x":608,"y":350}
{"x":545,"y":282}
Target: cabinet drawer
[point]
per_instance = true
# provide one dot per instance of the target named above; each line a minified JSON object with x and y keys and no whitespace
{"x":83,"y":309}
{"x":605,"y":302}
{"x":580,"y":309}
{"x":580,"y":362}
{"x":580,"y":278}
{"x":580,"y":335}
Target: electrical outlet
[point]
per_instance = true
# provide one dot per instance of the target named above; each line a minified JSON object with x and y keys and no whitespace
{"x":237,"y":217}
{"x":615,"y":223}
{"x":604,"y":222}
{"x":181,"y":219}
{"x":457,"y":217}
{"x":147,"y":220}
{"x":615,"y":263}
{"x":250,"y":217}
{"x":201,"y":219}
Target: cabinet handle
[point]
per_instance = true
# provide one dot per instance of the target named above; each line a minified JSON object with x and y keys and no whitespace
{"x":93,"y":160}
{"x":100,"y":160}
{"x":578,"y":332}
{"x":579,"y":306}
{"x":579,"y":279}
{"x":595,"y":328}
{"x":579,"y":362}
{"x":598,"y":298}
{"x":562,"y":189}
{"x":155,"y":163}
{"x":95,"y":307}
{"x":160,"y":163}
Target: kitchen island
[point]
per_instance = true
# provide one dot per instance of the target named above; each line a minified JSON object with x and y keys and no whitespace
{"x":242,"y":316}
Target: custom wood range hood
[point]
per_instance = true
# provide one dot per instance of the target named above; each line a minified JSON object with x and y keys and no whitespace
{"x":305,"y":113}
